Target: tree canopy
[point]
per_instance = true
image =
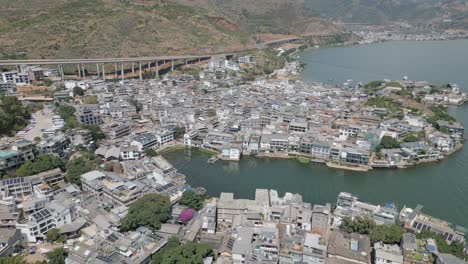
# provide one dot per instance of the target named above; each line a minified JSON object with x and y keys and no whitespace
{"x":57,"y":256}
{"x":191,"y":199}
{"x":387,"y":234}
{"x":13,"y":115}
{"x":54,"y":235}
{"x":78,"y":91}
{"x":440,"y":112}
{"x":96,"y":131}
{"x":388,"y":142}
{"x":150,"y":152}
{"x":12,"y":260}
{"x":80,"y":165}
{"x":179,"y":132}
{"x":150,"y":211}
{"x":40,"y":164}
{"x":188,"y":253}
{"x":455,"y":248}
{"x":66,"y":112}
{"x":361,"y":225}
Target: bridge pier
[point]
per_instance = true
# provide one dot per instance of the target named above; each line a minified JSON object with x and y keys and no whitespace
{"x":116,"y":70}
{"x":139,"y":71}
{"x":149,"y":66}
{"x":60,"y":71}
{"x":79,"y":71}
{"x":97,"y":69}
{"x":157,"y":69}
{"x":172,"y":65}
{"x":122,"y":71}
{"x":133,"y":68}
{"x":83,"y":69}
{"x":103,"y":72}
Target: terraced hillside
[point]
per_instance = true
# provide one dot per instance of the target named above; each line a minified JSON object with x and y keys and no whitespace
{"x":98,"y":28}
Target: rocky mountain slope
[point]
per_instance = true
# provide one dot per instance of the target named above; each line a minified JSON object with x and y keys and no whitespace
{"x":100,"y":28}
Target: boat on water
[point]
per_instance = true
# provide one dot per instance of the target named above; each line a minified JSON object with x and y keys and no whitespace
{"x":212,"y":160}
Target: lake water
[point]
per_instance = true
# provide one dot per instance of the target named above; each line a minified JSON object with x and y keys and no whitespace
{"x":441,"y":187}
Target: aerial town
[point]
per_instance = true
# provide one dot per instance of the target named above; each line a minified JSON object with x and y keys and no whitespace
{"x":89,"y":160}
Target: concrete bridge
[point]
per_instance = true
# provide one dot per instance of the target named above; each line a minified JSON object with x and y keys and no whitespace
{"x":121,"y":65}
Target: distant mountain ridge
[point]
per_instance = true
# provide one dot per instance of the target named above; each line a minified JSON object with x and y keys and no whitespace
{"x":382,"y":11}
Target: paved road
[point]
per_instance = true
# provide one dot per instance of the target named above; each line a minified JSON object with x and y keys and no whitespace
{"x":105,"y":60}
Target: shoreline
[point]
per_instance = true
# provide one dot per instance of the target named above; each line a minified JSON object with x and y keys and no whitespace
{"x":306,"y":159}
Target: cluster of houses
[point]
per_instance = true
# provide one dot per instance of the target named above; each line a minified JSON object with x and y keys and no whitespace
{"x":274,"y":229}
{"x":219,"y":111}
{"x":89,"y":215}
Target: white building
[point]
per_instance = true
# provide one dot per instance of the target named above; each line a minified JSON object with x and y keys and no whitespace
{"x":387,"y":254}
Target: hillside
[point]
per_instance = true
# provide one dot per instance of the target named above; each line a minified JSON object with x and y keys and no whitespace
{"x":99,"y":28}
{"x":382,"y":11}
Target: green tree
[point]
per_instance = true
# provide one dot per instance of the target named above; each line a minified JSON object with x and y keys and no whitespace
{"x":54,"y":235}
{"x":96,"y":131}
{"x":12,"y":260}
{"x":80,"y":165}
{"x":191,"y":199}
{"x":388,"y":142}
{"x":175,"y":253}
{"x":40,"y":164}
{"x":92,"y":99}
{"x":455,"y":248}
{"x":387,"y":234}
{"x":410,"y":138}
{"x":57,"y":256}
{"x":150,"y":152}
{"x":13,"y":115}
{"x":134,"y":102}
{"x":361,"y":225}
{"x":440,"y":112}
{"x":66,"y":111}
{"x":77,"y":91}
{"x":150,"y":211}
{"x":180,"y":131}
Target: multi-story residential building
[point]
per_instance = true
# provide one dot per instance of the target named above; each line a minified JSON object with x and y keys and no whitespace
{"x":88,"y":117}
{"x":387,"y":254}
{"x":417,"y":222}
{"x":321,"y":218}
{"x":145,"y":141}
{"x":57,"y":213}
{"x":315,"y":249}
{"x":349,"y":206}
{"x":355,"y":156}
{"x":80,"y":137}
{"x":300,"y":127}
{"x":18,"y":78}
{"x":130,"y":153}
{"x":441,"y":258}
{"x":18,"y":153}
{"x":348,"y":248}
{"x":451,"y":127}
{"x":57,"y":145}
{"x":36,"y":74}
{"x":119,"y":130}
{"x":90,"y":182}
{"x":164,"y":137}
{"x":10,"y":238}
{"x":7,"y":88}
{"x":16,"y":187}
{"x":316,"y":148}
